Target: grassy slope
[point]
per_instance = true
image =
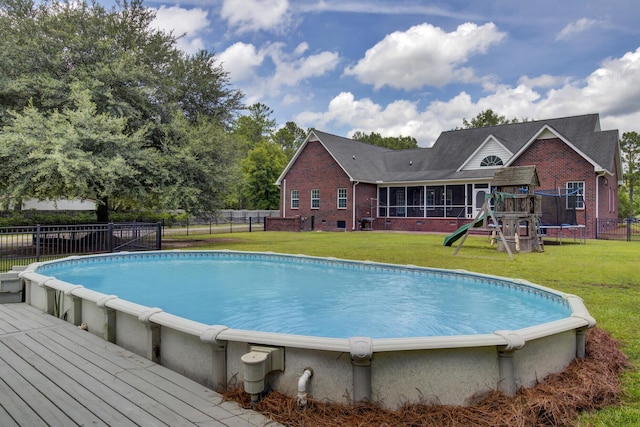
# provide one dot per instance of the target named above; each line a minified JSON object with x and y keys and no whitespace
{"x":605,"y":274}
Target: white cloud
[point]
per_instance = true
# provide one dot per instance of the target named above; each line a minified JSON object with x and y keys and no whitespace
{"x":255,"y":15}
{"x":243,"y":61}
{"x":240,"y":60}
{"x":381,"y":8}
{"x":424,"y":55}
{"x":291,"y":70}
{"x":582,"y":24}
{"x":188,"y":24}
{"x":398,"y":118}
{"x":611,"y":90}
{"x":543,"y":81}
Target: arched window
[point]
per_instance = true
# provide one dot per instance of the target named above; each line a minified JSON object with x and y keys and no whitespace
{"x":491,"y":161}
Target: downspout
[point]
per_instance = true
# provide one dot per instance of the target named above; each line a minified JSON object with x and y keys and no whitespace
{"x":284,"y":198}
{"x":353,"y":219}
{"x":598,"y":175}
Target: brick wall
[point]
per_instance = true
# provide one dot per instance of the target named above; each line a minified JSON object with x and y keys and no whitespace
{"x":282,"y":224}
{"x":558,"y":164}
{"x":316,"y":169}
{"x":434,"y":225}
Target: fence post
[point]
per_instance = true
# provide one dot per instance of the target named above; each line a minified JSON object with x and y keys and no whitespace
{"x":249,"y":224}
{"x":38,"y":243}
{"x":159,"y":236}
{"x":110,"y":236}
{"x":628,"y":229}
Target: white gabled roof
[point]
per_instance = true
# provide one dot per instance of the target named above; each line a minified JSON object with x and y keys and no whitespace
{"x":491,"y":146}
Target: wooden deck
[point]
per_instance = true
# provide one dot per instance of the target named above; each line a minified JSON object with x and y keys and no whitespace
{"x":54,"y":374}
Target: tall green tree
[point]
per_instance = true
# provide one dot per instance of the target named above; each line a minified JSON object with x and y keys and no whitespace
{"x":630,"y":150}
{"x":487,"y":118}
{"x":261,"y":169}
{"x":254,"y":127}
{"x":74,"y":153}
{"x":290,"y":137}
{"x":392,"y":142}
{"x":52,"y":51}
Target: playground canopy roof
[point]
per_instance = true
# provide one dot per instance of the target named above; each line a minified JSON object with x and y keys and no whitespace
{"x":516,"y":175}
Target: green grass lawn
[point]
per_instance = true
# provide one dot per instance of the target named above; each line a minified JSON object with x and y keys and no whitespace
{"x":606,"y":274}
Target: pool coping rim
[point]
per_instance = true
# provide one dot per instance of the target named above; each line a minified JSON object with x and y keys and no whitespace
{"x":506,"y":339}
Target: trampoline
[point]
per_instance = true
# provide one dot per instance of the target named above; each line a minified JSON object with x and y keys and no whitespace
{"x":560,"y":209}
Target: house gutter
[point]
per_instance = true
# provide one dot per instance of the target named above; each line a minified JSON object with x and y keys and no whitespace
{"x":353,"y":219}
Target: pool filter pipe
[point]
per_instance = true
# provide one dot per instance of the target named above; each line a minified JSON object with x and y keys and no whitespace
{"x":302,"y":387}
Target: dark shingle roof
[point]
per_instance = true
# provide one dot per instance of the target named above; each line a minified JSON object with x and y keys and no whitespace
{"x":362,"y":162}
{"x":443,"y":161}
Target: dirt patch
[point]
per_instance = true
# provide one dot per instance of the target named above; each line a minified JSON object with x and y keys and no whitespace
{"x":586,"y":385}
{"x":611,"y":286}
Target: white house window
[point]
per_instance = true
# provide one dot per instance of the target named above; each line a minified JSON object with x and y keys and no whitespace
{"x":295,"y":199}
{"x":342,"y":198}
{"x":315,"y":199}
{"x":575,"y":195}
{"x":491,"y":161}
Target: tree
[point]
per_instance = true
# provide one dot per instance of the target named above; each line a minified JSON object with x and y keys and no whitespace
{"x":255,"y":127}
{"x":487,"y":118}
{"x":630,"y":150}
{"x":261,"y":169}
{"x":392,"y":142}
{"x":73,"y":153}
{"x":199,"y":165}
{"x":290,"y":137}
{"x":57,"y":57}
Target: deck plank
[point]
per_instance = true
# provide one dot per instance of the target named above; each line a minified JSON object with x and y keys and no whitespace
{"x":92,"y":370}
{"x":78,"y":386}
{"x":16,"y":408}
{"x":52,"y":373}
{"x":23,"y":317}
{"x":34,"y":396}
{"x":132,"y":371}
{"x":25,"y":364}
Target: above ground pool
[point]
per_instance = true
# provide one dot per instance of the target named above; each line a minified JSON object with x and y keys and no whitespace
{"x":310,"y":296}
{"x":380,"y":332}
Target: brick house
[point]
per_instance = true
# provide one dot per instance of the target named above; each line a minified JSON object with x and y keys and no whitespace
{"x":334,"y":183}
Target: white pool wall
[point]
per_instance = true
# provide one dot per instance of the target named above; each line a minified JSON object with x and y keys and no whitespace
{"x":447,"y":370}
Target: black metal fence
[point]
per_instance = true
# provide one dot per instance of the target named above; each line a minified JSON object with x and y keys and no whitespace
{"x":24,"y":245}
{"x":618,"y":229}
{"x":230,"y":221}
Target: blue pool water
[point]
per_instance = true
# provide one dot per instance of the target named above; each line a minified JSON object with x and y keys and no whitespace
{"x":310,"y":296}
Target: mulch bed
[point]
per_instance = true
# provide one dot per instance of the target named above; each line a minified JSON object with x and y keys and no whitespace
{"x":586,"y":385}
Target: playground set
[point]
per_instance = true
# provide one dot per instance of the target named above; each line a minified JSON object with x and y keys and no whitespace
{"x":511,"y":213}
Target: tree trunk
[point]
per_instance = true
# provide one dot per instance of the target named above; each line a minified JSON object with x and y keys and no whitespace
{"x":102,"y":210}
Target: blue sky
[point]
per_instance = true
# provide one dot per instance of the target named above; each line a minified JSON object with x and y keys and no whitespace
{"x":418,"y":68}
